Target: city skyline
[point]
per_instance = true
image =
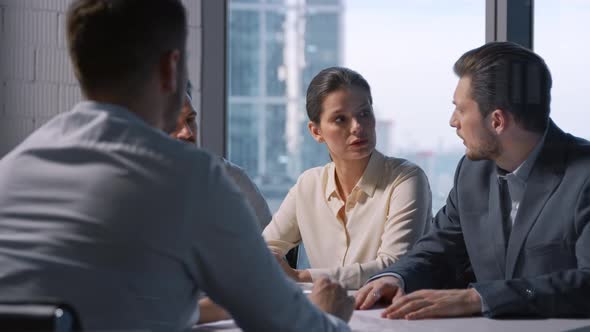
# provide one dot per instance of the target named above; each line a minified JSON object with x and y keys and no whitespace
{"x":275,"y":48}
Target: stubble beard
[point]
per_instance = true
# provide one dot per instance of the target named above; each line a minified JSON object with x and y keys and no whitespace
{"x":488,"y":149}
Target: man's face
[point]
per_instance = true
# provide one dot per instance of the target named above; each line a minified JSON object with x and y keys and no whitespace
{"x":475,"y":130}
{"x":186,"y":124}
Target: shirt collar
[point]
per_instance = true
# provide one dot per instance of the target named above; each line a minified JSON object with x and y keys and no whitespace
{"x":368,"y":181}
{"x":523,"y":171}
{"x":331,"y":184}
{"x":114,"y":110}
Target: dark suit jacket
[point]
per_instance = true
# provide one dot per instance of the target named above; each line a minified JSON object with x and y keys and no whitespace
{"x":544,"y":268}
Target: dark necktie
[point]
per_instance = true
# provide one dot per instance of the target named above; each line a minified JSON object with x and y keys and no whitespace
{"x":505,"y":206}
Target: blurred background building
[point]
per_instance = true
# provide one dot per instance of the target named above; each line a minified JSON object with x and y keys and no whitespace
{"x":274,"y":50}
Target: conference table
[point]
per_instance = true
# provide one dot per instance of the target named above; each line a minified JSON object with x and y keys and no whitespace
{"x":370,"y":321}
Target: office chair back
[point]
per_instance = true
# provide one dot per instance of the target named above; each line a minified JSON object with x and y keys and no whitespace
{"x":38,"y":317}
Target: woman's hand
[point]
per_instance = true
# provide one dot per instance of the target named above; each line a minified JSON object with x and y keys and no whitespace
{"x":297,"y":275}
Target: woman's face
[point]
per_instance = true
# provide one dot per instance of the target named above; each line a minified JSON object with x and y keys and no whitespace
{"x":347,"y":124}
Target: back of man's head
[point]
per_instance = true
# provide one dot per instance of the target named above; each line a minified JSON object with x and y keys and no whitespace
{"x":116,"y":45}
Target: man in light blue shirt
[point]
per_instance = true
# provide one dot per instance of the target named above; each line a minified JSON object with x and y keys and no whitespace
{"x":101,"y":209}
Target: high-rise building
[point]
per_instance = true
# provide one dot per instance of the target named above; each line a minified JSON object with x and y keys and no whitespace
{"x":275,"y":47}
{"x":384,"y":131}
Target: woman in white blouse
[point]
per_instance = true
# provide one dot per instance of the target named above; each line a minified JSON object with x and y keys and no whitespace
{"x":359,"y":213}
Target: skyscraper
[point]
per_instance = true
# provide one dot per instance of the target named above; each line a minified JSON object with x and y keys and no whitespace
{"x":275,"y":49}
{"x":384,"y":131}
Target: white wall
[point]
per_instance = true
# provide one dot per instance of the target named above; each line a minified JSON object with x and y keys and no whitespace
{"x":36,"y":78}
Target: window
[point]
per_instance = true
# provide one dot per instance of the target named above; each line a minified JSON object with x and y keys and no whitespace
{"x":405,"y":49}
{"x":558,"y":27}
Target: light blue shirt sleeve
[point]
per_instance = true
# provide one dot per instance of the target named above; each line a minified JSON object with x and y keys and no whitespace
{"x":233,"y":263}
{"x":148,"y":221}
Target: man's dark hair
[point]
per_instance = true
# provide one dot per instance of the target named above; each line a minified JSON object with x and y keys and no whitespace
{"x":507,"y":76}
{"x":189,"y":89}
{"x":116,"y":44}
{"x":330,"y":80}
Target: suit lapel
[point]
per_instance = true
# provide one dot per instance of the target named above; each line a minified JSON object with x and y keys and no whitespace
{"x":495,"y":223}
{"x":544,"y":178}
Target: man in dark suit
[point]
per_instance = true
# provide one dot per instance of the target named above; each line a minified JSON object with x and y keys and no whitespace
{"x":519,"y":212}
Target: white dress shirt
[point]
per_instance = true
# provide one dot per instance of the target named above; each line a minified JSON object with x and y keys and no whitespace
{"x":251,"y":191}
{"x":110,"y":215}
{"x":517,"y":180}
{"x":386,"y":212}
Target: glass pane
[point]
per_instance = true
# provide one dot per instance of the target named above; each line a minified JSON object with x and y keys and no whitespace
{"x":559,"y":29}
{"x":408,"y":62}
{"x":244,"y":52}
{"x":243,"y":143}
{"x":275,"y":46}
{"x":322,"y":2}
{"x":322,"y":43}
{"x":277,"y":155}
{"x":405,"y":49}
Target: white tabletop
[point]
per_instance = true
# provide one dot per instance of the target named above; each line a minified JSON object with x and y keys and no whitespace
{"x":369,"y":321}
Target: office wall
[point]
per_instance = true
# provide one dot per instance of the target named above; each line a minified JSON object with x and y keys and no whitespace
{"x":36,"y":78}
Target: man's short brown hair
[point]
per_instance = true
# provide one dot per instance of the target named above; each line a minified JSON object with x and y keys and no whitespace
{"x":507,"y":76}
{"x":115,"y":45}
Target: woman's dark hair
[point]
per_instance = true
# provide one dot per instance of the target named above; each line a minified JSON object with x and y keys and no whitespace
{"x":330,"y":80}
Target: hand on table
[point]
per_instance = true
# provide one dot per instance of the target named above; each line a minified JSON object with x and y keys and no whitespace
{"x":330,"y":297}
{"x":297,"y":275}
{"x":385,"y":289}
{"x":211,"y":311}
{"x":430,"y":303}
